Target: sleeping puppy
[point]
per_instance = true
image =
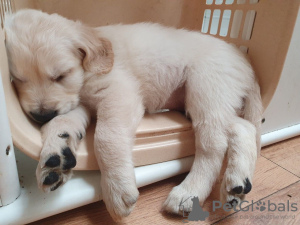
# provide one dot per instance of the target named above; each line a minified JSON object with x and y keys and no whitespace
{"x":65,"y":71}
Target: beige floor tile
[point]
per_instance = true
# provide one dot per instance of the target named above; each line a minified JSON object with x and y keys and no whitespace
{"x":286,"y":154}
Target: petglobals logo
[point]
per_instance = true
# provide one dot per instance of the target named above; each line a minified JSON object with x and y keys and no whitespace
{"x":196,"y":213}
{"x":261,"y":206}
{"x":192,"y":211}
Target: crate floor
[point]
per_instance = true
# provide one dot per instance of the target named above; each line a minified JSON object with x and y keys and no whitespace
{"x":276,"y":181}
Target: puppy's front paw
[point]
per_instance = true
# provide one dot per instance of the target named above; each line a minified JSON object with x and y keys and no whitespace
{"x":119,"y":198}
{"x":56,"y":161}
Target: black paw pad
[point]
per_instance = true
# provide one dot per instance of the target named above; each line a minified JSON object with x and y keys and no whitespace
{"x":64,"y":135}
{"x":53,"y":161}
{"x":51,"y":178}
{"x":70,"y":160}
{"x":248,"y":186}
{"x":56,"y":186}
{"x":237,"y":190}
{"x":233,"y":202}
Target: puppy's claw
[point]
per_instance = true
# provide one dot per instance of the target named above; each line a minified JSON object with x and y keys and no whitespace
{"x":129,"y":200}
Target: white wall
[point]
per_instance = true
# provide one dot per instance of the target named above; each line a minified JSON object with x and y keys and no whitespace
{"x":284,"y":109}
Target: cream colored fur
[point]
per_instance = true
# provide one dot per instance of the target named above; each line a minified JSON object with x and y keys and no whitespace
{"x":117,"y":73}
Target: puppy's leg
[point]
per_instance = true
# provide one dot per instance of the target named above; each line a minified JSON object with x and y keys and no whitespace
{"x":211,"y":145}
{"x":60,"y":139}
{"x":209,"y":117}
{"x":118,"y":116}
{"x":242,"y":155}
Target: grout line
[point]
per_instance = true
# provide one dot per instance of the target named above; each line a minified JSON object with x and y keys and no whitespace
{"x":280,"y":166}
{"x":256,"y":202}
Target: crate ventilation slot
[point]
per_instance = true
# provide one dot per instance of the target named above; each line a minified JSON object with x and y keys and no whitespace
{"x":229,"y":24}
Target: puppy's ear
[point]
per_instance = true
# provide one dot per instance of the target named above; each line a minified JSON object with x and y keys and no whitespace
{"x":97,"y":54}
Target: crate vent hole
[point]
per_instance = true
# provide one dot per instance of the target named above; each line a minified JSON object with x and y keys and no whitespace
{"x":209,"y":2}
{"x":248,"y":26}
{"x":225,"y":23}
{"x":229,"y":2}
{"x":218,"y":2}
{"x":206,"y":20}
{"x":236,"y":23}
{"x":241,"y":1}
{"x":215,"y":22}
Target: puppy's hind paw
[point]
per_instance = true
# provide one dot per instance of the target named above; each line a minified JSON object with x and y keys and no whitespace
{"x":234,"y":194}
{"x":179,"y":200}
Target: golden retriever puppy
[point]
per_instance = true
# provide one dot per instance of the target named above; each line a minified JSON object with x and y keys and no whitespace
{"x":64,"y":71}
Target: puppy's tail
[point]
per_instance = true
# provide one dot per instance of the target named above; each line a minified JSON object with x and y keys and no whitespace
{"x":253,"y":110}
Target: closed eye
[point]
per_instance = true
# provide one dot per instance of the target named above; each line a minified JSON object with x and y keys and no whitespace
{"x":62,"y":76}
{"x":59,"y":78}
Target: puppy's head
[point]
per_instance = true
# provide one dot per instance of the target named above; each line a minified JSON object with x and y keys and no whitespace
{"x":48,"y":59}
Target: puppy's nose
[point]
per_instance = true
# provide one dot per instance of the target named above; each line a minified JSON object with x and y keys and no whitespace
{"x":44,"y":117}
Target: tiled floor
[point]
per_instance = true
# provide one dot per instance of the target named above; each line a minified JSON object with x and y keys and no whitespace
{"x":276,"y":184}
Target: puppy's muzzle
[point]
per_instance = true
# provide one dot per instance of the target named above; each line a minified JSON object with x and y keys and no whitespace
{"x":44,"y":117}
